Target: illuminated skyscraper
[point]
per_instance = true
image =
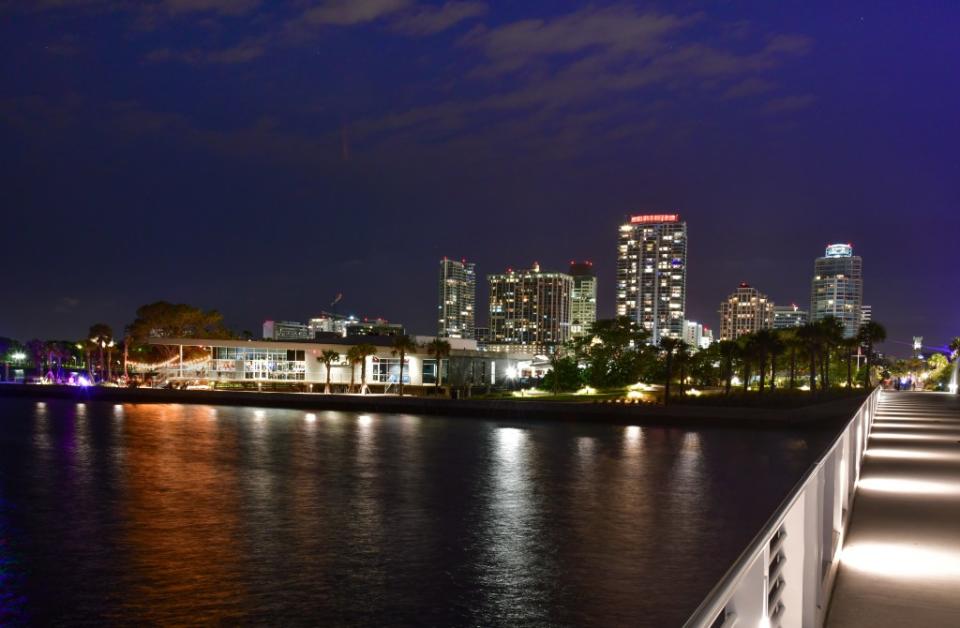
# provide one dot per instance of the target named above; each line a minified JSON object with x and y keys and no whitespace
{"x":530,"y":307}
{"x":745,"y":311}
{"x":652,"y":273}
{"x":458,"y":295}
{"x":583,"y":299}
{"x":837,"y":288}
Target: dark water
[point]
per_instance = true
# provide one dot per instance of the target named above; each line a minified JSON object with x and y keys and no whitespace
{"x":200,"y":514}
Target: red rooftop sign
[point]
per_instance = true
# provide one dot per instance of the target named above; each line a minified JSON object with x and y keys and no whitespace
{"x":654,"y":218}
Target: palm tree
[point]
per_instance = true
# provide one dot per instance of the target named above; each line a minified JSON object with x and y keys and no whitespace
{"x":38,"y":351}
{"x":669,"y":346}
{"x":100,"y":334}
{"x":363,"y":352}
{"x":354,"y":358}
{"x":682,"y":358}
{"x":763,"y":341}
{"x":729,"y":350}
{"x":328,"y":357}
{"x":439,"y":348}
{"x":849,"y":346}
{"x":401,"y":345}
{"x":777,"y":346}
{"x":127,"y":339}
{"x":747,"y":348}
{"x":831,"y":337}
{"x":792,"y":345}
{"x":809,"y":337}
{"x":872,"y":333}
{"x":954,"y":345}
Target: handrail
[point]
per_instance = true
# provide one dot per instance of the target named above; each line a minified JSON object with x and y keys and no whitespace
{"x":720,"y":595}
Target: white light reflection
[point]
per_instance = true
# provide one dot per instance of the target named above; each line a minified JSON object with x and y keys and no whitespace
{"x":918,"y":426}
{"x":901,"y":560}
{"x":909,"y":487}
{"x":364,"y":420}
{"x":310,"y":417}
{"x":912,"y":454}
{"x":509,"y":439}
{"x":947,"y":438}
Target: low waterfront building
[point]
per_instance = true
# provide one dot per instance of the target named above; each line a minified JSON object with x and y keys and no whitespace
{"x":258,"y":362}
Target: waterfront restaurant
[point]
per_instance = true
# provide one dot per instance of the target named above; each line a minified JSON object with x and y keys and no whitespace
{"x":255,"y":363}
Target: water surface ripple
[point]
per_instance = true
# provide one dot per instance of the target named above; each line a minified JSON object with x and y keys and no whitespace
{"x":165,"y":514}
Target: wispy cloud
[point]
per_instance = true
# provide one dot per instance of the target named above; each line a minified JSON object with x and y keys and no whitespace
{"x":748,"y":87}
{"x":427,"y":20}
{"x":241,"y":53}
{"x":789,"y":103}
{"x":350,"y":12}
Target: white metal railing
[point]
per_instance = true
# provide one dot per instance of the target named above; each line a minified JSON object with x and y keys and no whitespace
{"x":785,"y":576}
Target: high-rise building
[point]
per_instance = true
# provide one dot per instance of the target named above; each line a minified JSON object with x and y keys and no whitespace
{"x":745,"y":311}
{"x":458,"y":295}
{"x":530,"y":307}
{"x":837,"y":288}
{"x":286,"y":330}
{"x":696,"y":335}
{"x":787,"y":316}
{"x":583,"y":298}
{"x":652,"y":273}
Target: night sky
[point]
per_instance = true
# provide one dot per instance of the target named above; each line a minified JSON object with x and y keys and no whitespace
{"x":260,"y":157}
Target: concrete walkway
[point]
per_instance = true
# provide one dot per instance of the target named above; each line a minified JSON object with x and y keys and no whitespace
{"x":901,"y":559}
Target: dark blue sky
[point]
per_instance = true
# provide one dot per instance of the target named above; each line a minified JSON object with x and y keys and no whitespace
{"x":260,"y":157}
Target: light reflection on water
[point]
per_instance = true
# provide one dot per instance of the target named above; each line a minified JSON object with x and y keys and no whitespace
{"x":197,"y":514}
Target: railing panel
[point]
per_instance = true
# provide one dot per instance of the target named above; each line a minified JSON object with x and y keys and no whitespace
{"x":785,"y":576}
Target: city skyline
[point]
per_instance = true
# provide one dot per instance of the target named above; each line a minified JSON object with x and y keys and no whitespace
{"x":157,"y":154}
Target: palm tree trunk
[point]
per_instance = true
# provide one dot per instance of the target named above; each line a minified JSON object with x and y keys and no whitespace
{"x":109,"y":364}
{"x":813,"y":371}
{"x":866,"y":375}
{"x":793,"y":369}
{"x":762,"y":363}
{"x":353,"y":375}
{"x":126,"y":356}
{"x":826,"y":369}
{"x":363,"y":375}
{"x":729,"y":377}
{"x":666,"y":388}
{"x":402,"y":357}
{"x":326,"y":388}
{"x":773,"y":371}
{"x":849,"y":370}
